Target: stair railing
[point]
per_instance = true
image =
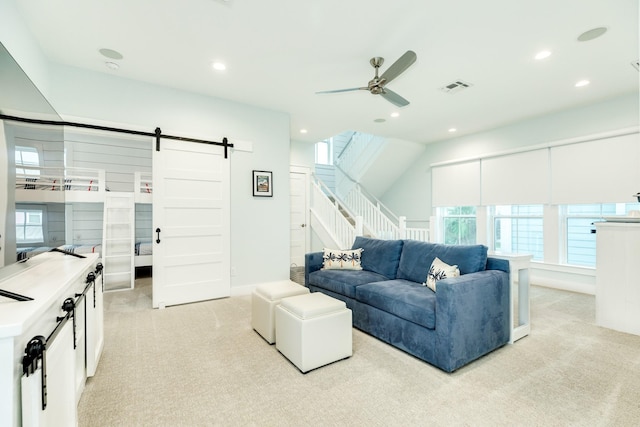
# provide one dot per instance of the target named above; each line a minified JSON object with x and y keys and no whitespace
{"x":330,"y":212}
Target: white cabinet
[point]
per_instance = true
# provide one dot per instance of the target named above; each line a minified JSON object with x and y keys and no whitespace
{"x":618,"y":276}
{"x":72,"y":338}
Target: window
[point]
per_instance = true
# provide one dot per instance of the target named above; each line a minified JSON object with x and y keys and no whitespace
{"x":30,"y":225}
{"x":459,"y":225}
{"x":580,"y":242}
{"x":27,"y":156}
{"x":324,"y":152}
{"x":518,"y":229}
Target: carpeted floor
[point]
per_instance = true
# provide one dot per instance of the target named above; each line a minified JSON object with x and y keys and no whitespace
{"x":202,"y":364}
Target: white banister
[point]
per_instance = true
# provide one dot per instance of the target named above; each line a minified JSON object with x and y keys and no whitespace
{"x":328,"y":212}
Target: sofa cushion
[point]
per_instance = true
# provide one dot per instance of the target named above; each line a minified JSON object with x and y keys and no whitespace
{"x":417,"y":257}
{"x":342,"y":260}
{"x":407,"y":300}
{"x":380,"y":256}
{"x":343,"y":282}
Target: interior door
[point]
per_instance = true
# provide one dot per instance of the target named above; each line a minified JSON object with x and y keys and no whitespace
{"x":298,"y":179}
{"x":191,"y":260}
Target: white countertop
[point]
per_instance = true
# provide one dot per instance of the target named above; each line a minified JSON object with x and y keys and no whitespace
{"x":46,"y":279}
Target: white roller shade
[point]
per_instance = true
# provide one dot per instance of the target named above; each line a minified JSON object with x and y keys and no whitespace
{"x":516,"y":179}
{"x":600,"y":171}
{"x":456,"y":184}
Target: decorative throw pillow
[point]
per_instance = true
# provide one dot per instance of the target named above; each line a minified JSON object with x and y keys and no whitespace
{"x":440,"y":270}
{"x":342,"y":259}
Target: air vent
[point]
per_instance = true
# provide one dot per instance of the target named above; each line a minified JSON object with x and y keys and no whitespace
{"x":456,"y":86}
{"x":636,"y":64}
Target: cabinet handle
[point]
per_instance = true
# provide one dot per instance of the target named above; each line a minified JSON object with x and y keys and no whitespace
{"x":158,"y":231}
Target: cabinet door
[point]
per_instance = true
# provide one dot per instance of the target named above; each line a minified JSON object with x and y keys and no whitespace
{"x":95,"y":326}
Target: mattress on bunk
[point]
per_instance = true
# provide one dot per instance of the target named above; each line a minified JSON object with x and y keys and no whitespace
{"x":26,"y":253}
{"x":144,"y":248}
{"x":83,"y":249}
{"x":52,"y":184}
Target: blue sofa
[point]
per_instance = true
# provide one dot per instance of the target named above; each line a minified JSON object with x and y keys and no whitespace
{"x":466,"y":318}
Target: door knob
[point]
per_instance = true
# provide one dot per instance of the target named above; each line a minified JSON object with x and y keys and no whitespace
{"x":303,"y":225}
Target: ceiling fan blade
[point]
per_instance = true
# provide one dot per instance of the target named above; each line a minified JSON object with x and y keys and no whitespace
{"x":394,"y":98}
{"x":399,"y":66}
{"x":344,"y":90}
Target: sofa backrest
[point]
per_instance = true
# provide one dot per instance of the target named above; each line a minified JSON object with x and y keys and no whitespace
{"x":417,"y":257}
{"x":379,"y":256}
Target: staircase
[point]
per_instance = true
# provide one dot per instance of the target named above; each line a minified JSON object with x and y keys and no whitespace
{"x":338,"y":217}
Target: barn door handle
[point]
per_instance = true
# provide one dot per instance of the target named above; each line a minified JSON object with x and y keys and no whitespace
{"x":158,"y":231}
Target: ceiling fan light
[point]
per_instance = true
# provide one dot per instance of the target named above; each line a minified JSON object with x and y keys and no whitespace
{"x":582,"y":83}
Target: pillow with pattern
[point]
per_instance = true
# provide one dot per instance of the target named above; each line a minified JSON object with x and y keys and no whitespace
{"x":440,"y":270}
{"x":337,"y":259}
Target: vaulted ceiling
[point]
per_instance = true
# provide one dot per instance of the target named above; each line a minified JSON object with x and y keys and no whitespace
{"x":279,"y":53}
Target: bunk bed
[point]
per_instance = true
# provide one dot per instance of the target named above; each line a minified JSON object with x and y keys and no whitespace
{"x":77,"y":185}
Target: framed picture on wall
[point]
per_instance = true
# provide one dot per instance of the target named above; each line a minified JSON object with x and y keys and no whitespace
{"x":262,"y":184}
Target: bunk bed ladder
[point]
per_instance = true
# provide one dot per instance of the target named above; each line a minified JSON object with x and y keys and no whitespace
{"x":118,"y":241}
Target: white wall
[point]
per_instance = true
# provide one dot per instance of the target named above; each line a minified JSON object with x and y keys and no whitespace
{"x":15,"y":37}
{"x":302,"y":154}
{"x":259,"y":226}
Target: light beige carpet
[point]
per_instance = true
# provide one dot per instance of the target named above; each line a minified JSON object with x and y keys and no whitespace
{"x":202,"y":364}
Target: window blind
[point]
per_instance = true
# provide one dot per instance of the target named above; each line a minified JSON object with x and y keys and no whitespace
{"x":456,"y":184}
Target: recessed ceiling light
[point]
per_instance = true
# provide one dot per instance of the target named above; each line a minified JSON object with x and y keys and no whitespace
{"x":395,"y":114}
{"x":303,"y":131}
{"x":582,"y":83}
{"x":453,"y":130}
{"x":542,"y":54}
{"x":379,"y":120}
{"x":112,"y":65}
{"x":110,"y":53}
{"x":219,"y":66}
{"x":593,"y":33}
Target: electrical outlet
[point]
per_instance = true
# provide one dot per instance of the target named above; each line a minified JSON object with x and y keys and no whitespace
{"x":233,"y":271}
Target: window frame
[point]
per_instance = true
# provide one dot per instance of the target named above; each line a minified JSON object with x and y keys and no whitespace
{"x":495,"y":216}
{"x":42,"y":210}
{"x":444,"y":214}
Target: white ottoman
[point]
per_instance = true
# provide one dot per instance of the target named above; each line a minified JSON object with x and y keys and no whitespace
{"x":263,"y":302}
{"x":313,"y":330}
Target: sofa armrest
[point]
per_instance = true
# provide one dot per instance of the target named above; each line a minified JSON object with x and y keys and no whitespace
{"x":312,"y":262}
{"x":472,"y":316}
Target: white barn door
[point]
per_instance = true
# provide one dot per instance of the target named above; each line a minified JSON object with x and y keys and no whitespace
{"x":191,"y":260}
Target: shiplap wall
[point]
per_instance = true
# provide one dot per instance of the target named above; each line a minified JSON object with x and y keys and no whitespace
{"x":85,"y":223}
{"x":144,"y":222}
{"x":118,"y":154}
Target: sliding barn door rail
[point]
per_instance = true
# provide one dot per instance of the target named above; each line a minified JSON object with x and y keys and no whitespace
{"x":157,"y":134}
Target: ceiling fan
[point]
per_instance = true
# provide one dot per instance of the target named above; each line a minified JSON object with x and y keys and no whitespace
{"x":377,"y":85}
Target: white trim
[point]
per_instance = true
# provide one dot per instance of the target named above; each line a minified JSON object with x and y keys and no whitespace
{"x":307,"y":208}
{"x":564,"y":277}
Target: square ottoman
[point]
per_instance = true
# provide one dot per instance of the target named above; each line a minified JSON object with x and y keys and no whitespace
{"x":313,"y":330}
{"x":263,"y":302}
